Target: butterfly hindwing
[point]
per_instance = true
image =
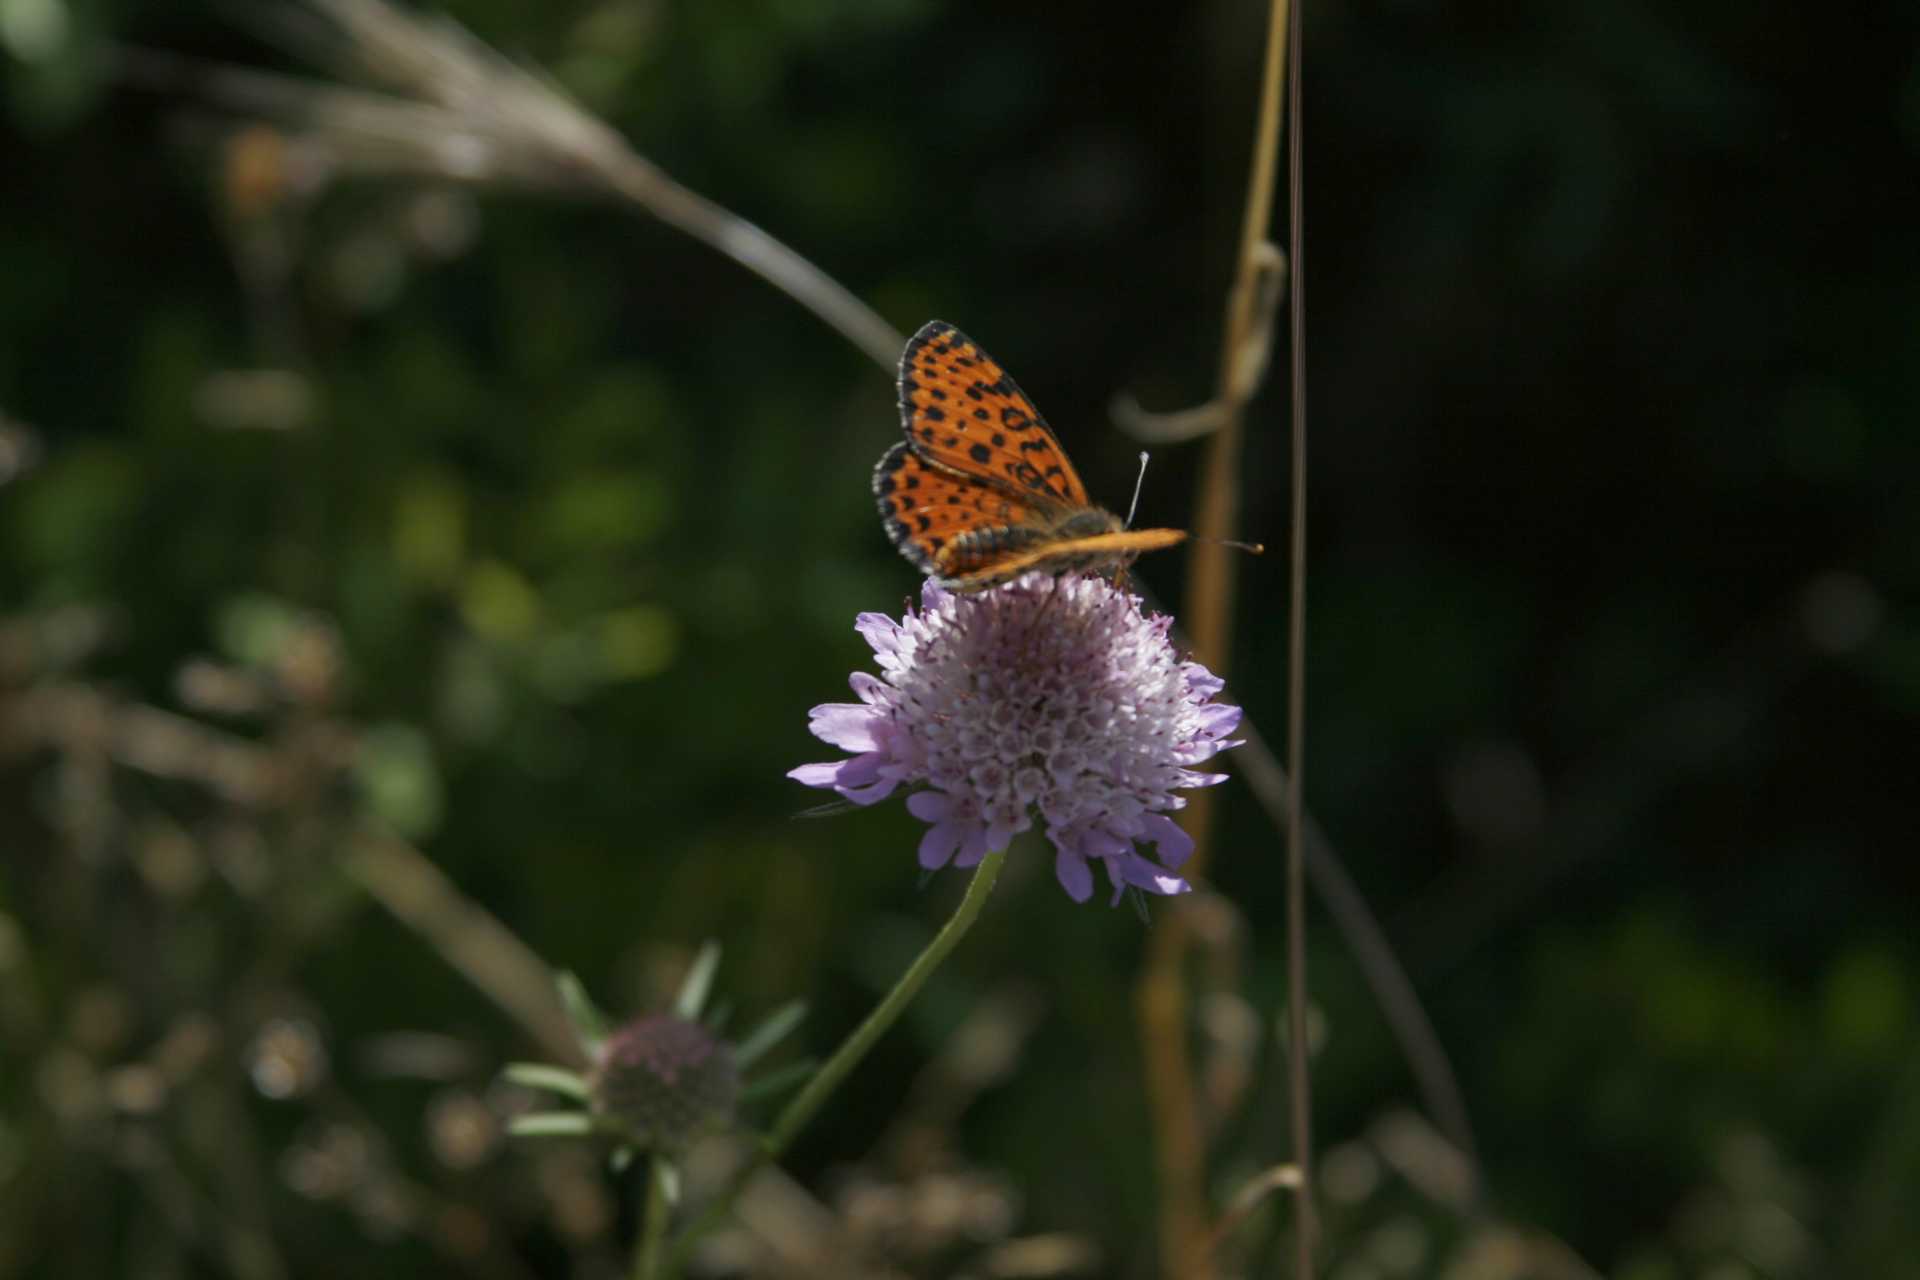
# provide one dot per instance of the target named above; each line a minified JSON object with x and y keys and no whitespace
{"x":927,"y":511}
{"x":962,"y":411}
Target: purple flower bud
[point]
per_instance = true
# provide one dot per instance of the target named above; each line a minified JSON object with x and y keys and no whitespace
{"x":665,"y":1080}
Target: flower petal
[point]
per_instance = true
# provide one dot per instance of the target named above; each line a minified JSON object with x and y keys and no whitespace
{"x":1201,"y":683}
{"x":1003,"y":826}
{"x":1074,"y":875}
{"x":973,"y":847}
{"x":930,"y":806}
{"x":817,"y":775}
{"x":1133,"y":870}
{"x":938,"y":844}
{"x":1175,"y":845}
{"x":1218,"y":719}
{"x":846,"y":725}
{"x":879,"y":631}
{"x":866,"y":779}
{"x":872,"y":793}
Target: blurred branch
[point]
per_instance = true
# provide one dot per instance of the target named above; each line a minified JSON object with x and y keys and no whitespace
{"x":1247,"y":370}
{"x":467,"y":936}
{"x":80,"y":720}
{"x":20,"y":449}
{"x":161,"y":744}
{"x":1250,"y":1197}
{"x":439,"y":103}
{"x":980,"y":1053}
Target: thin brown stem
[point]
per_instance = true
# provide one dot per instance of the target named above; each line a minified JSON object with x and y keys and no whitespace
{"x":435,"y":101}
{"x":1178,"y":1145}
{"x":1299,"y":1085}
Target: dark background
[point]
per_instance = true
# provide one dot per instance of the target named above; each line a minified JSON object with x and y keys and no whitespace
{"x":1614,"y":353}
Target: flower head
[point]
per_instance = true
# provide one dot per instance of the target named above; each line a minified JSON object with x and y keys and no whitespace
{"x":666,"y":1079}
{"x":1048,"y":696}
{"x":658,"y":1081}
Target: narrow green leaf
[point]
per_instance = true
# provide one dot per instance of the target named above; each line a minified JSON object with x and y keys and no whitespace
{"x":770,"y":1032}
{"x":693,"y":991}
{"x":669,"y":1174}
{"x":584,"y":1014}
{"x":538,"y":1075}
{"x":778,"y":1081}
{"x":551,"y":1124}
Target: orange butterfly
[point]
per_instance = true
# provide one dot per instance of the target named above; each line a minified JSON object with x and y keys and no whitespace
{"x":979,"y":492}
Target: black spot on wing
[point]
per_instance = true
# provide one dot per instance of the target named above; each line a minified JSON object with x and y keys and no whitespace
{"x":929,"y":333}
{"x":888,"y":489}
{"x":883,"y":471}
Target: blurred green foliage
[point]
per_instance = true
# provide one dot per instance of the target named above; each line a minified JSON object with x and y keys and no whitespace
{"x":533,"y":529}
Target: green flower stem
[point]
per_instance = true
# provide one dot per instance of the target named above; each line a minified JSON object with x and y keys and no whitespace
{"x":653,"y":1224}
{"x":809,"y":1100}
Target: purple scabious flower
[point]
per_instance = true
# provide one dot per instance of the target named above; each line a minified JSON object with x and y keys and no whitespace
{"x":1048,"y":696}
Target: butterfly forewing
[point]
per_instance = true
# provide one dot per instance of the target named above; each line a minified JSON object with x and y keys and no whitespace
{"x":963,"y":412}
{"x":980,"y":492}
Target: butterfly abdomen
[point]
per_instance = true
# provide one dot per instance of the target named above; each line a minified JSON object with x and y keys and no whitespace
{"x":976,"y":549}
{"x":1087,"y":522}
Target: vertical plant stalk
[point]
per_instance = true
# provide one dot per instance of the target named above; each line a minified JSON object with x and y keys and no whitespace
{"x":795,"y":1115}
{"x":653,"y":1224}
{"x":1179,"y":1149}
{"x":1299,"y":1085}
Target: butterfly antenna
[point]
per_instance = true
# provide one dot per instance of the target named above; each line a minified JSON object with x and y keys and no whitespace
{"x":1253,"y":548}
{"x":1138,"y":481}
